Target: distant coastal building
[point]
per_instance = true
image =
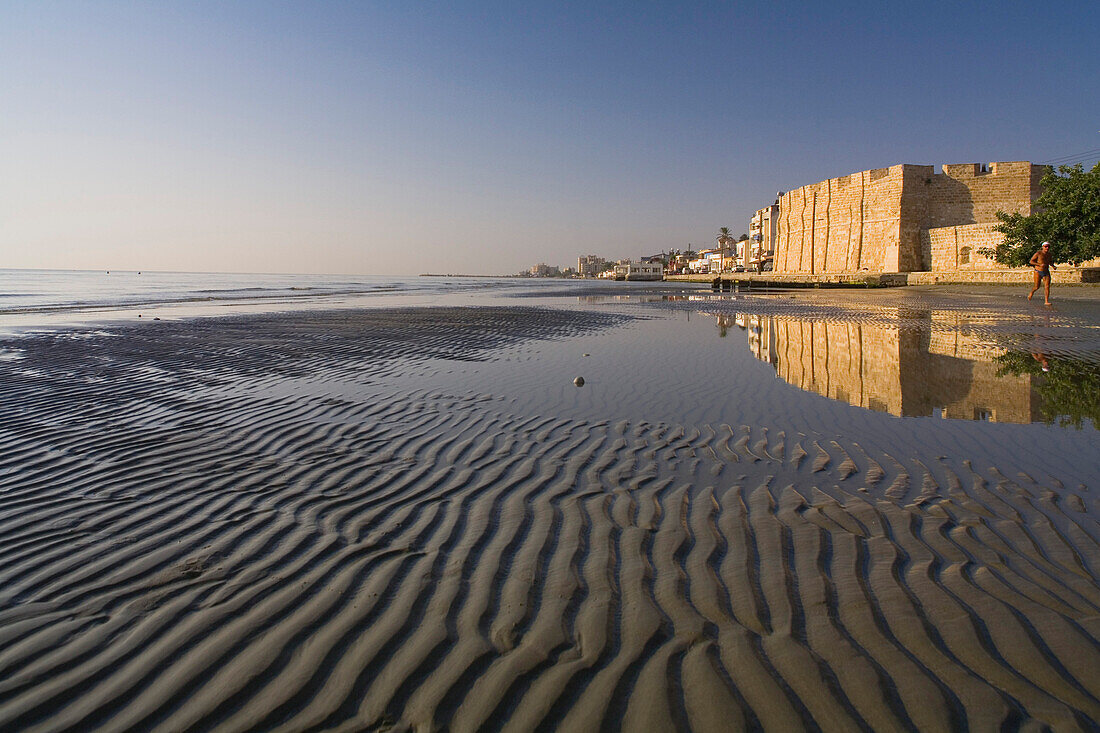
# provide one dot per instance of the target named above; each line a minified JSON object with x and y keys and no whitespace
{"x":905,"y":218}
{"x":707,"y":260}
{"x":639,"y":270}
{"x":543,"y":270}
{"x":590,"y":265}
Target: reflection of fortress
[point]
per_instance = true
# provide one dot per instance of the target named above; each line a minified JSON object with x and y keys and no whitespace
{"x":903,"y":371}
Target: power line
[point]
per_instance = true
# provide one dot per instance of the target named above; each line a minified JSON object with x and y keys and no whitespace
{"x":1075,"y":158}
{"x":1075,"y":155}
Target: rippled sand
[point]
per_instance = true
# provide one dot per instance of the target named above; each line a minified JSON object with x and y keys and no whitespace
{"x":308,"y":522}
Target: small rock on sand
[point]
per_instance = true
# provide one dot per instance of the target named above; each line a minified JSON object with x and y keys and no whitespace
{"x":579,"y":381}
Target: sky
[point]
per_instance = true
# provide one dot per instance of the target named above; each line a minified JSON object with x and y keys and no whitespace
{"x":484,"y":137}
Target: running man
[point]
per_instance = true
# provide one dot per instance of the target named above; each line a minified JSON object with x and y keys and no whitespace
{"x":1043,"y":262}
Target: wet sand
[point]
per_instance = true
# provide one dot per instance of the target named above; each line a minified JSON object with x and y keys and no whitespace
{"x":412,"y":519}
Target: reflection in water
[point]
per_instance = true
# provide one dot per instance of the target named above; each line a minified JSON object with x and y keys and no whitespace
{"x":923,"y":371}
{"x":1068,"y":389}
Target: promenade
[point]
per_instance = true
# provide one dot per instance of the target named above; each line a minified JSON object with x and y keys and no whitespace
{"x":1021,"y":277}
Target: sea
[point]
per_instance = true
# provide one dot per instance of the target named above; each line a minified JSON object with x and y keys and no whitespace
{"x":43,"y":298}
{"x":990,"y":357}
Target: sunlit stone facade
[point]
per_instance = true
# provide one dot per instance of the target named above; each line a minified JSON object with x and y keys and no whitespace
{"x":904,"y":218}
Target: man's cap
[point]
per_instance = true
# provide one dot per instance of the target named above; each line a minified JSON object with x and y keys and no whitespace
{"x":1046,"y":244}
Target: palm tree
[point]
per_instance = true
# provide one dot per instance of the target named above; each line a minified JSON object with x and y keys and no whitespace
{"x":725,"y":239}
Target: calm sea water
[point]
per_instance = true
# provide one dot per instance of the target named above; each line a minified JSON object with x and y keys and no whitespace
{"x":47,"y":297}
{"x":30,"y":290}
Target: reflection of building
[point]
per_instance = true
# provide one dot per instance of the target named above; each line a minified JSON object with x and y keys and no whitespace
{"x":904,"y":370}
{"x":761,"y":338}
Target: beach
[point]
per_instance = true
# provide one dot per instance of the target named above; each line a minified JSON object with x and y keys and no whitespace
{"x":779,"y":511}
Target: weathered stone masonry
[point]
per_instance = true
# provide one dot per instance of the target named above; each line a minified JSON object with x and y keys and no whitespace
{"x":904,"y":218}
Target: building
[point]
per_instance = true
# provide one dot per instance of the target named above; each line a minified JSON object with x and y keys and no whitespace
{"x":639,"y":271}
{"x":543,"y":270}
{"x":708,"y":260}
{"x":677,"y":264}
{"x":763,"y":232}
{"x":905,"y":218}
{"x":590,"y":265}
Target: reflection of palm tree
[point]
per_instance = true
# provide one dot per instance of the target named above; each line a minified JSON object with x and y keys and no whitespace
{"x":725,"y":239}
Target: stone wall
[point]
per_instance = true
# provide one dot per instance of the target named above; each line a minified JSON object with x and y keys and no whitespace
{"x":843,"y":224}
{"x":946,"y":249}
{"x":1020,"y":276}
{"x":876,"y":220}
{"x":972,"y":194}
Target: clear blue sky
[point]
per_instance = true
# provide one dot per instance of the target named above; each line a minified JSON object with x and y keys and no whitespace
{"x":404,"y":137}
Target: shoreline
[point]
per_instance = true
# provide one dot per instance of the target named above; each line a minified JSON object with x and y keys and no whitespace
{"x":412,"y":517}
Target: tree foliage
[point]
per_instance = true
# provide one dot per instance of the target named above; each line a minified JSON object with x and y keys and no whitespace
{"x":1070,"y":391}
{"x":1066,"y":214}
{"x":725,"y":239}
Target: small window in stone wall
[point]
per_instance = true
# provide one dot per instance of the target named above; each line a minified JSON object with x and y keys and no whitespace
{"x":964,"y":256}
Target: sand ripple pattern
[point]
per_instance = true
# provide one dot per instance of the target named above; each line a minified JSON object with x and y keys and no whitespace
{"x":219,"y":546}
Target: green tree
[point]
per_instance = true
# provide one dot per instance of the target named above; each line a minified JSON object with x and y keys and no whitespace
{"x":1066,"y":214}
{"x":725,"y":239}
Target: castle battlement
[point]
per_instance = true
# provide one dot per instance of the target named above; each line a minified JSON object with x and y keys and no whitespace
{"x":975,"y":170}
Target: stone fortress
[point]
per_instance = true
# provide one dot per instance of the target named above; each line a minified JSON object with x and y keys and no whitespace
{"x":905,"y":218}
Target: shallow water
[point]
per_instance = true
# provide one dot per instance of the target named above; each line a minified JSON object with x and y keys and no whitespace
{"x":67,"y":298}
{"x":759,"y":512}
